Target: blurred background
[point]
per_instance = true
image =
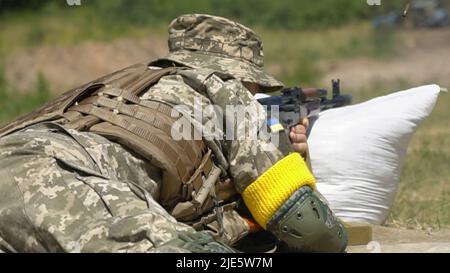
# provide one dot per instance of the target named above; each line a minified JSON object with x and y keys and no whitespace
{"x":50,"y":46}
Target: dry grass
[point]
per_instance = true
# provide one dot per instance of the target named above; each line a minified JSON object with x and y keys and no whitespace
{"x":423,"y":199}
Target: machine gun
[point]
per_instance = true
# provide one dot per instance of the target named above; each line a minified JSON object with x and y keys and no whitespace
{"x":296,"y":103}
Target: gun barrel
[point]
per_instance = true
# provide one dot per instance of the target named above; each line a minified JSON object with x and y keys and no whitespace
{"x":339,"y":101}
{"x":345,"y":100}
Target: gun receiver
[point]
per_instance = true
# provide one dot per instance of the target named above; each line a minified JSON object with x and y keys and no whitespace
{"x":296,"y":103}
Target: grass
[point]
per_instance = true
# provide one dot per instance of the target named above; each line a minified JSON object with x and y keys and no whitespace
{"x":299,"y":51}
{"x":423,"y":196}
{"x":13,"y":104}
{"x":423,"y":199}
{"x":297,"y":54}
{"x":63,"y":27}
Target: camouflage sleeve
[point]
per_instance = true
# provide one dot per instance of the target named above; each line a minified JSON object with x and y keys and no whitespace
{"x":52,"y":199}
{"x":218,"y":105}
{"x":249,"y":150}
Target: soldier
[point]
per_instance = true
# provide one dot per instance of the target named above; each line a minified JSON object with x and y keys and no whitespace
{"x":98,"y":169}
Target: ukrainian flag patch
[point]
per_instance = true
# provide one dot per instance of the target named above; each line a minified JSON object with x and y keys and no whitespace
{"x":275,"y":125}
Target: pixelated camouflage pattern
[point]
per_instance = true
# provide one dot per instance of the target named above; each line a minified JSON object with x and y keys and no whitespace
{"x":245,"y":159}
{"x":68,"y":191}
{"x":217,"y":35}
{"x":205,"y":41}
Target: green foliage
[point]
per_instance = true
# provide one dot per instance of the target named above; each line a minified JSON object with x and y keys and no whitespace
{"x":423,"y":199}
{"x":291,"y":14}
{"x":13,"y":103}
{"x":305,"y":71}
{"x":42,"y":88}
{"x":14,"y":5}
{"x":56,"y":23}
{"x":383,"y":42}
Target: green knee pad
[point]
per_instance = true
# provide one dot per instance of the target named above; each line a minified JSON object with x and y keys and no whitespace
{"x":306,"y":224}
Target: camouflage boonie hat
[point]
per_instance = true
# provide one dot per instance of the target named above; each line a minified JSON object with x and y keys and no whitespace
{"x":205,"y":41}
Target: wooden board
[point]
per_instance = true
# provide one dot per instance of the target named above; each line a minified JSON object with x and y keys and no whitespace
{"x":359,"y":233}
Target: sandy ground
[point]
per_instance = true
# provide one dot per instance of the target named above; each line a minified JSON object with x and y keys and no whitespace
{"x":68,"y":67}
{"x":390,"y":240}
{"x":423,"y":57}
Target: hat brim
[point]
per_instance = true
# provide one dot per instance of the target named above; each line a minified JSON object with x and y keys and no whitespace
{"x":242,"y":70}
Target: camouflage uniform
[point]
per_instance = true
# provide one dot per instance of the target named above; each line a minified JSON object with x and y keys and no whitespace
{"x":69,"y":191}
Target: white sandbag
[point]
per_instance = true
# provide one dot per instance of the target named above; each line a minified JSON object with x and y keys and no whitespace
{"x":357,"y":152}
{"x":261,"y":96}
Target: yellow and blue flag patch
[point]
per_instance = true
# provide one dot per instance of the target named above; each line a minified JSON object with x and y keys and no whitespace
{"x":275,"y":125}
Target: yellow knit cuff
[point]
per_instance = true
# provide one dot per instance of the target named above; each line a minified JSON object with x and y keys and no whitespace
{"x":267,"y":193}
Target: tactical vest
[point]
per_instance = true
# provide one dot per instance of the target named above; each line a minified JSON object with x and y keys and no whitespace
{"x":111,"y":107}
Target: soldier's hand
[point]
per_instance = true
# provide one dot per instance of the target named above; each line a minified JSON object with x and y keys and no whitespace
{"x":298,"y":137}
